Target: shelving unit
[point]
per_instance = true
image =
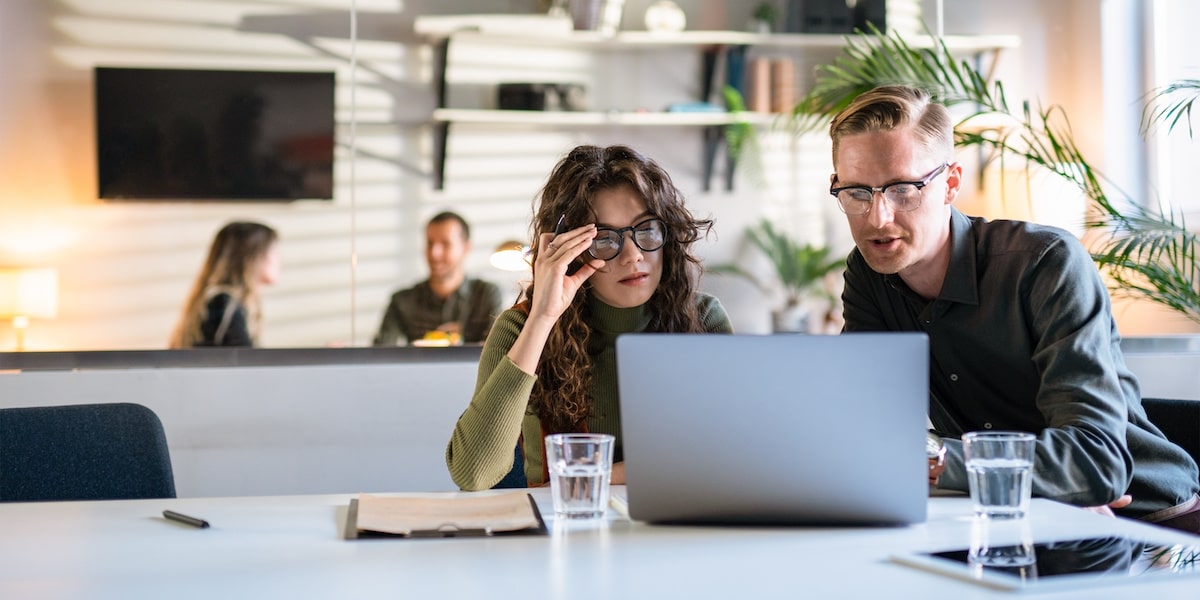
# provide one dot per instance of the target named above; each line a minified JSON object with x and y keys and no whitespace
{"x":711,"y":42}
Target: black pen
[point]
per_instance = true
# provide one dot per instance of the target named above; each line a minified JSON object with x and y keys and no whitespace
{"x":182,"y":518}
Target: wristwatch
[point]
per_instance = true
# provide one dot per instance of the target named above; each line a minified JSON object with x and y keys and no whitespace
{"x":935,"y":451}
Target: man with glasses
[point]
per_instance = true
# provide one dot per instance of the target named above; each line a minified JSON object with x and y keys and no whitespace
{"x":1020,"y":323}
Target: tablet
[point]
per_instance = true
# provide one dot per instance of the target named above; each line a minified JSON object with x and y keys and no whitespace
{"x":1069,"y":564}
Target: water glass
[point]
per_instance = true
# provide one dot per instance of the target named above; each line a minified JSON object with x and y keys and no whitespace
{"x":999,"y":472}
{"x":580,"y":465}
{"x":1004,"y":546}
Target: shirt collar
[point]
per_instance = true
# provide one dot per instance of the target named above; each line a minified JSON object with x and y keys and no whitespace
{"x":962,"y":283}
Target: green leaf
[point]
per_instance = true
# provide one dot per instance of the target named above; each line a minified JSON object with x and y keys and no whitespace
{"x":1147,"y":254}
{"x":799,"y":269}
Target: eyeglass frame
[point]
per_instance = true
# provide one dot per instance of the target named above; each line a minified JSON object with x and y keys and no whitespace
{"x":882,"y":190}
{"x":633,"y":229}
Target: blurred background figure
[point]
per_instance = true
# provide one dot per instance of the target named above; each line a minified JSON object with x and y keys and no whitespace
{"x":448,"y":307}
{"x":224,"y":307}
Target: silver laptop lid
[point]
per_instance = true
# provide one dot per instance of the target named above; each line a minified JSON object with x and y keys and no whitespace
{"x":775,"y":428}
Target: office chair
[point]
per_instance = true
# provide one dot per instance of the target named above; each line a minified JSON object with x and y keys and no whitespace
{"x":1179,"y":420}
{"x":83,"y":452}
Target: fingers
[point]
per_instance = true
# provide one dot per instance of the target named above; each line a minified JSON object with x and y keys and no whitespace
{"x":568,"y":244}
{"x":1121,"y":502}
{"x":1100,"y":510}
{"x":1107,"y":509}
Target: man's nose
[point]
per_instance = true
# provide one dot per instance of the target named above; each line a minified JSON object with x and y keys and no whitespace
{"x":881,"y":212}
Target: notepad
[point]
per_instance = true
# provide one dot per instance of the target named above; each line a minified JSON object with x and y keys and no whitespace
{"x":444,"y":516}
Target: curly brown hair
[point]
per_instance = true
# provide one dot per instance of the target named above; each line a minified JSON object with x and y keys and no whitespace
{"x":561,"y":397}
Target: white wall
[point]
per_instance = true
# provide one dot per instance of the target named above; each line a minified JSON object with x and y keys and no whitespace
{"x":125,"y":267}
{"x":273,"y":430}
{"x":240,"y":431}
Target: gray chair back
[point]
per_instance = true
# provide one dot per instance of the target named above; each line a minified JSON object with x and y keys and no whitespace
{"x":1179,"y":420}
{"x":83,"y":452}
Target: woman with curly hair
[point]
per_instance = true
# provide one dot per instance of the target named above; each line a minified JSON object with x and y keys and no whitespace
{"x":611,"y":254}
{"x":223,"y":306}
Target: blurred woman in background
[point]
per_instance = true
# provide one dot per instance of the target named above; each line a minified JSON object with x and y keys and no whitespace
{"x":224,"y":306}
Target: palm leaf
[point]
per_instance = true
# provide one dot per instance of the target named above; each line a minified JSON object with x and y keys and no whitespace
{"x":1170,"y":104}
{"x":798,"y":267}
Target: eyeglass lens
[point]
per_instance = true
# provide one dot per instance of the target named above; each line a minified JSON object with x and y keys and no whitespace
{"x":901,"y":196}
{"x":648,"y":236}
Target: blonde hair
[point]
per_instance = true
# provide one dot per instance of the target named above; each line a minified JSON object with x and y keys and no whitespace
{"x":232,"y":267}
{"x":891,"y":107}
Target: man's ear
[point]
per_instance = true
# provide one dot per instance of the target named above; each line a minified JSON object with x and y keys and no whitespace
{"x":954,"y":176}
{"x":832,"y":179}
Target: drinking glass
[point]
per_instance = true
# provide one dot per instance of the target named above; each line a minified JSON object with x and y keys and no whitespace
{"x":999,"y":472}
{"x":580,"y":465}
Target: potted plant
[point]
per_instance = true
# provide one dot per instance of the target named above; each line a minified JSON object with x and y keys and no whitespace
{"x":800,"y":272}
{"x":764,"y":17}
{"x":1147,"y":253}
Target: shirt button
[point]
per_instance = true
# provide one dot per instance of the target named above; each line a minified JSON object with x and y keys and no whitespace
{"x":928,"y":321}
{"x":954,"y":377}
{"x":987,"y":425}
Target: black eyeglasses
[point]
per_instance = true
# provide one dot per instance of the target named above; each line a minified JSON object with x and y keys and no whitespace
{"x":901,"y":196}
{"x":649,"y":235}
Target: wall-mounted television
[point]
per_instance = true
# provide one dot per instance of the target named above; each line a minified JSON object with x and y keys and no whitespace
{"x":190,"y":134}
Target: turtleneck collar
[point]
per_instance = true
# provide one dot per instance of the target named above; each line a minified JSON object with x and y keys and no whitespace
{"x":613,"y":320}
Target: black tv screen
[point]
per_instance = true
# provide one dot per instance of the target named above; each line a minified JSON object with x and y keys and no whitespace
{"x":165,"y":134}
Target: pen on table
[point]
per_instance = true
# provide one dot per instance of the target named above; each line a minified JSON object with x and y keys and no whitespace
{"x":182,"y":518}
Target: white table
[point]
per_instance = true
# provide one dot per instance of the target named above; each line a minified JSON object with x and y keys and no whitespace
{"x":290,"y":547}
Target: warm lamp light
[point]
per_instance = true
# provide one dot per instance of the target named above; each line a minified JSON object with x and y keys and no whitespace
{"x":511,"y":256}
{"x":25,"y":293}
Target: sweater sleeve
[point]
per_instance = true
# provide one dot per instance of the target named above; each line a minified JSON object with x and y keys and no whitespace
{"x":713,"y":315}
{"x":480,"y":452}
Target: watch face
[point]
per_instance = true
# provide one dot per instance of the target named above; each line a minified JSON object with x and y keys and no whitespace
{"x":933,"y":446}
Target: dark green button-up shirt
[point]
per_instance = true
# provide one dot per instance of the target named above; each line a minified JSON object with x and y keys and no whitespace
{"x":1022,"y":337}
{"x":413,"y":312}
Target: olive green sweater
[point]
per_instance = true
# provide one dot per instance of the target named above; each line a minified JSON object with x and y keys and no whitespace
{"x":480,"y":452}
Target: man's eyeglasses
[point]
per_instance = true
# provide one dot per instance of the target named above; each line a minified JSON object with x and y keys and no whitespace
{"x":649,"y":235}
{"x":901,"y":196}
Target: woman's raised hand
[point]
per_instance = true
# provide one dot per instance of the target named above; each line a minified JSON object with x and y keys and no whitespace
{"x":554,"y":288}
{"x":553,"y":291}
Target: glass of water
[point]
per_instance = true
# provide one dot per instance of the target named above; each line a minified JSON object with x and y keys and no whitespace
{"x":999,"y":472}
{"x":1004,"y":546}
{"x":580,"y":465}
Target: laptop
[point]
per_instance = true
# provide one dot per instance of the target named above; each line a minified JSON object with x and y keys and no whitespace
{"x":775,"y":429}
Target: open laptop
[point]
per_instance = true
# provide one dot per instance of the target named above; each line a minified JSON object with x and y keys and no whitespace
{"x":775,"y":429}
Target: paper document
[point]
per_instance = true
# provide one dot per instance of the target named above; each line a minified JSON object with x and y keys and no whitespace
{"x":447,"y":516}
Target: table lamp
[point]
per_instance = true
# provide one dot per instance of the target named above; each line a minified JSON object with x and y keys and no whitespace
{"x":511,"y":256}
{"x":27,"y":292}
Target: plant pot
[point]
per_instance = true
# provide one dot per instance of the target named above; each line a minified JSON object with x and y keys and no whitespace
{"x":791,"y":319}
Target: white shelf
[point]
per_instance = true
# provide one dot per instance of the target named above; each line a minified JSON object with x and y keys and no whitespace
{"x":597,"y":119}
{"x":713,"y":43}
{"x":627,"y":39}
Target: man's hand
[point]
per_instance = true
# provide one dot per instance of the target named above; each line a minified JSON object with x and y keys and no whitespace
{"x":1107,"y":509}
